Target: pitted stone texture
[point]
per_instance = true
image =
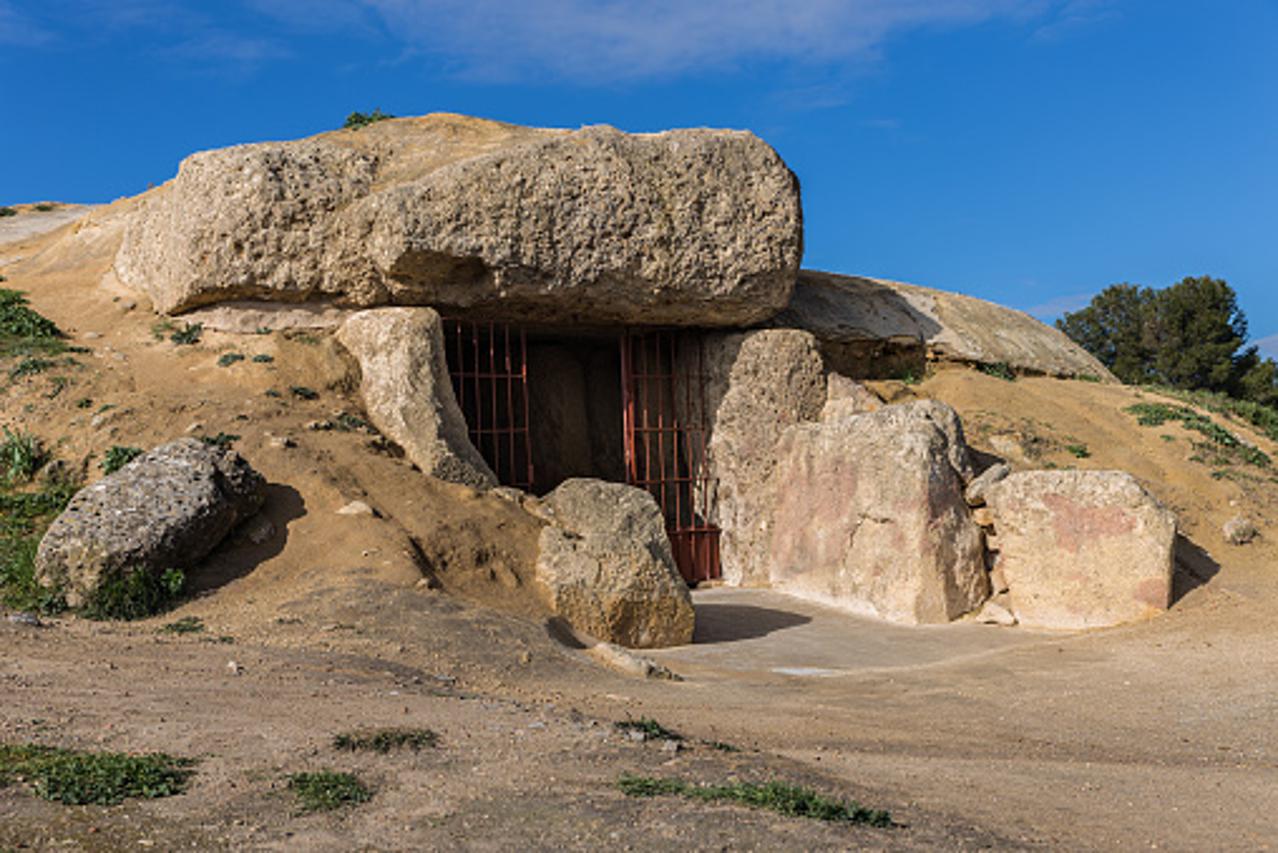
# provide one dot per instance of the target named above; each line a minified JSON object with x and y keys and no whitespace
{"x":167,"y":509}
{"x":846,"y":397}
{"x":1082,"y":549}
{"x":606,"y":567}
{"x":858,"y":320}
{"x":407,"y":392}
{"x":869,"y":516}
{"x":759,"y":384}
{"x":686,"y":227}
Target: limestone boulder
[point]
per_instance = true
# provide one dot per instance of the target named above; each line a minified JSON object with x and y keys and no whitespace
{"x":869,"y":516}
{"x":167,"y":509}
{"x":1082,"y":549}
{"x":867,"y":326}
{"x":759,"y":384}
{"x":605,"y":566}
{"x":407,"y":392}
{"x":687,"y":227}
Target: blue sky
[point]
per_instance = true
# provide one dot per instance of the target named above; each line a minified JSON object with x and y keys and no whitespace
{"x":1026,"y":151}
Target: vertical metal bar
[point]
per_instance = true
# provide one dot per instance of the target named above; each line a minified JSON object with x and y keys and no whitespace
{"x":645,"y":397}
{"x":627,"y":409}
{"x":661,"y":434}
{"x":477,"y":428}
{"x":523,"y":379}
{"x":510,"y":401}
{"x":459,"y":381}
{"x":494,"y":433}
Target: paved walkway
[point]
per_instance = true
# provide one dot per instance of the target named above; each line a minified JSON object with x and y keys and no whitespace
{"x":760,"y":631}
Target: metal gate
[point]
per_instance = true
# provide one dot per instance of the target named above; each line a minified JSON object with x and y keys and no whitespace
{"x":488,"y":363}
{"x":663,"y":384}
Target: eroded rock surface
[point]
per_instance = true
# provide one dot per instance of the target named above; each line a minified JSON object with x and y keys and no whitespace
{"x":869,"y":515}
{"x":688,"y":227}
{"x":408,"y":394}
{"x":606,"y":567}
{"x":865,"y":323}
{"x":1081,"y":549}
{"x":167,"y":509}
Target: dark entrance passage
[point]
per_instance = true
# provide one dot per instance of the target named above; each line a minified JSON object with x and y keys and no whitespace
{"x":666,"y":426}
{"x":542,"y":407}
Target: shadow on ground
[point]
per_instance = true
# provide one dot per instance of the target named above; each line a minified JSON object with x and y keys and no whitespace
{"x":727,"y":623}
{"x":1194,"y":568}
{"x":238,"y":556}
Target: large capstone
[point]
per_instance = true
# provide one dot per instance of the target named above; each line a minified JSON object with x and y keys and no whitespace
{"x":407,"y":392}
{"x":1081,"y":549}
{"x":687,"y":227}
{"x":167,"y":509}
{"x":869,"y":515}
{"x":606,"y":567}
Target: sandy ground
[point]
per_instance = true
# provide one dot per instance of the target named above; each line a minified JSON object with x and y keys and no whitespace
{"x":1152,"y":735}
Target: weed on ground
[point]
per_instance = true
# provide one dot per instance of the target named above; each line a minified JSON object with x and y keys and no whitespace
{"x":117,"y":456}
{"x":1222,"y":447}
{"x":23,"y":331}
{"x":386,"y":740}
{"x":649,"y":728}
{"x":999,"y":370}
{"x":185,"y":625}
{"x":779,"y":797}
{"x":136,"y":595}
{"x":92,"y":778}
{"x":229,"y":358}
{"x":20,"y":456}
{"x":327,"y":790}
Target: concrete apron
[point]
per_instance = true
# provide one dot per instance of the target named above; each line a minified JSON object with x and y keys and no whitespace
{"x":758,"y":632}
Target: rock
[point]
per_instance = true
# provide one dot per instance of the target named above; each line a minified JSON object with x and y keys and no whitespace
{"x":687,"y":227}
{"x":407,"y":392}
{"x":975,"y":494}
{"x":758,"y":385}
{"x":626,"y":661}
{"x":1082,"y":549}
{"x":862,"y":322}
{"x":260,"y":530}
{"x":994,"y":613}
{"x":234,"y":668}
{"x":358,"y":508}
{"x":869,"y":516}
{"x":606,"y":567}
{"x":1240,"y":530}
{"x":983,"y":517}
{"x":281,"y":442}
{"x":23,"y":618}
{"x":167,"y":509}
{"x":846,"y":397}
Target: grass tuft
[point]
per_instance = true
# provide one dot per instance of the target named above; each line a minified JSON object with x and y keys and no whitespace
{"x":999,"y":370}
{"x":117,"y":456}
{"x":327,"y":790}
{"x":358,"y":120}
{"x":77,"y":778}
{"x":1079,"y":451}
{"x":779,"y":797}
{"x":1223,"y":444}
{"x":229,"y":358}
{"x":386,"y":740}
{"x":135,"y":594}
{"x":20,"y":456}
{"x":303,"y":392}
{"x":188,"y":335}
{"x":651,"y":729}
{"x":185,"y":625}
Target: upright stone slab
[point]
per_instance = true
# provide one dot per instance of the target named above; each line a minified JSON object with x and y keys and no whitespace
{"x":869,"y":516}
{"x":687,"y":227}
{"x":1082,"y":549}
{"x":408,"y":394}
{"x":167,"y":509}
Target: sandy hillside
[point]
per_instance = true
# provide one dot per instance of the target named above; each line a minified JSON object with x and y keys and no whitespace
{"x":1156,"y":734}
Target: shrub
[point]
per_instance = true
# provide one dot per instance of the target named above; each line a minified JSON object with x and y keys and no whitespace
{"x":117,"y":457}
{"x":328,"y":790}
{"x":189,"y":334}
{"x":358,"y":120}
{"x":20,"y":456}
{"x":8,"y":211}
{"x":227,"y":359}
{"x":45,"y":207}
{"x":999,"y":370}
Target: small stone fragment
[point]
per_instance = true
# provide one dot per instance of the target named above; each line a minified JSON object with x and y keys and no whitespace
{"x":357,"y":508}
{"x":1240,"y":530}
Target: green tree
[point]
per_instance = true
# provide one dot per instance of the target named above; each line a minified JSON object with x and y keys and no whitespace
{"x":1115,"y":328}
{"x":1198,"y":330}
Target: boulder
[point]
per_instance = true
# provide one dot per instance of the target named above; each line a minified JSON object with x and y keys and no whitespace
{"x":846,"y":397}
{"x":758,"y":385}
{"x":688,"y":227}
{"x":1240,"y":530}
{"x":867,"y":326}
{"x":869,"y":516}
{"x":976,"y":489}
{"x":167,"y":509}
{"x":407,"y":392}
{"x":605,"y":566}
{"x":1082,"y":549}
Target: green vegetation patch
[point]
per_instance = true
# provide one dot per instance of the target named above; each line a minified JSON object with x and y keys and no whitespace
{"x":223,"y":440}
{"x":650,"y":728}
{"x":1224,"y":446}
{"x":117,"y":456}
{"x":304,"y":392}
{"x":779,"y":797}
{"x":185,"y":625}
{"x":327,"y":790}
{"x":999,"y":370}
{"x":188,"y":335}
{"x":21,"y":455}
{"x":358,"y":120}
{"x":24,"y":516}
{"x":229,"y":358}
{"x":136,"y":595}
{"x":77,"y":778}
{"x":263,"y":358}
{"x":8,"y":211}
{"x":386,"y":740}
{"x":1078,"y":450}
